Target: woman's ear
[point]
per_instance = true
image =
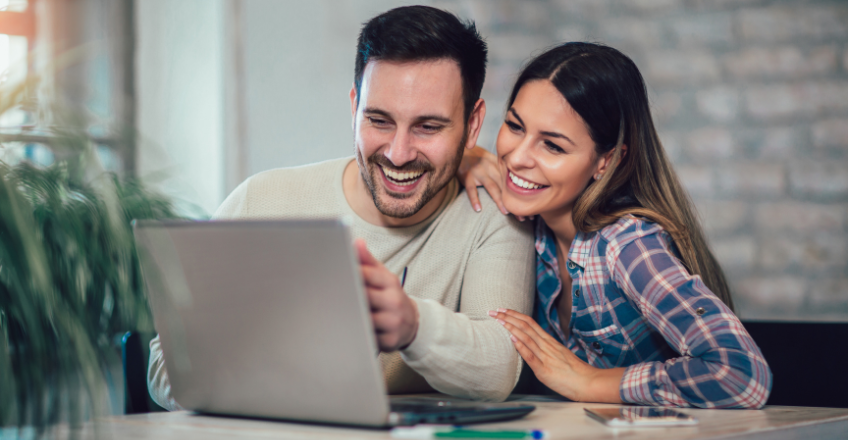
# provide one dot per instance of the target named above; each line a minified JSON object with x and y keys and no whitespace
{"x":606,"y":159}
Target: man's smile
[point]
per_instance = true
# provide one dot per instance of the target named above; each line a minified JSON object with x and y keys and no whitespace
{"x":404,"y":178}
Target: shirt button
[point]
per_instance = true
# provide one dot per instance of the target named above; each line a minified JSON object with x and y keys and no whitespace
{"x":700,"y":311}
{"x":596,"y":345}
{"x":577,"y":292}
{"x":571,"y":265}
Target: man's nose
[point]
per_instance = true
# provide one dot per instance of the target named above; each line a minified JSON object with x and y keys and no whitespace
{"x":401,"y":151}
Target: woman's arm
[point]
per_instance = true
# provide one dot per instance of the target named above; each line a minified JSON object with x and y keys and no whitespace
{"x":720,"y":365}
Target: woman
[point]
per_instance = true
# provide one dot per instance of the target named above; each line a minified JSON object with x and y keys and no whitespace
{"x":631,"y":305}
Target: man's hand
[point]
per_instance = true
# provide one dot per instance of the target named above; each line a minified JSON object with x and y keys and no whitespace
{"x":393,"y":313}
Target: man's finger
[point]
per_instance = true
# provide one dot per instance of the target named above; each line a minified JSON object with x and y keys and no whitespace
{"x":378,"y":277}
{"x":365,"y":257}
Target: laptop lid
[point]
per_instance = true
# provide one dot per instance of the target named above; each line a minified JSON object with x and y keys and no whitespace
{"x":279,"y":303}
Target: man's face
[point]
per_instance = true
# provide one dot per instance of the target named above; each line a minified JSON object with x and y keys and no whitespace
{"x":409,"y":132}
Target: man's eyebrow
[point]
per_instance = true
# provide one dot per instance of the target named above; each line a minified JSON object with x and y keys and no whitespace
{"x":543,"y":133}
{"x":435,"y":118}
{"x":376,"y":111}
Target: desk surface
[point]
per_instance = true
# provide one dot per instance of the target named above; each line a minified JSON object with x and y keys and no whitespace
{"x":562,"y":420}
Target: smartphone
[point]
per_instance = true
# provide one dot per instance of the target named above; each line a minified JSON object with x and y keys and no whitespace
{"x":637,"y":416}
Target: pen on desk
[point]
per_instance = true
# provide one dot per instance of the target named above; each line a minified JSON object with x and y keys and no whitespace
{"x":403,"y":277}
{"x":430,"y":432}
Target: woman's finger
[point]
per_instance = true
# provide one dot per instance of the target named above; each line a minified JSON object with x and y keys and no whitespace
{"x":473,"y":196}
{"x":521,"y":320}
{"x":527,"y":339}
{"x":494,"y":191}
{"x":526,"y":353}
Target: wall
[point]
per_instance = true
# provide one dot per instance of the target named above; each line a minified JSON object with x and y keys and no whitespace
{"x":750,"y":97}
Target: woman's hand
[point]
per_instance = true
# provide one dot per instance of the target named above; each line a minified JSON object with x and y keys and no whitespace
{"x":555,"y":365}
{"x":480,"y":167}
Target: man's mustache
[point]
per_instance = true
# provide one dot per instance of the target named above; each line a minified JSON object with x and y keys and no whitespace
{"x":416,"y":165}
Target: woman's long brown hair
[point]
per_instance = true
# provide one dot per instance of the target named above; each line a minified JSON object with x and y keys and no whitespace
{"x":606,"y":89}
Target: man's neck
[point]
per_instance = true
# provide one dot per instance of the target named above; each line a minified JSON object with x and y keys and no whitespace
{"x":359,"y":198}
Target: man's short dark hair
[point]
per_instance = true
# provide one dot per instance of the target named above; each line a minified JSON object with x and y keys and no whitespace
{"x":421,"y":33}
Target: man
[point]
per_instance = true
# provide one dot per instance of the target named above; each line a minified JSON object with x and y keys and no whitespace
{"x":415,"y":104}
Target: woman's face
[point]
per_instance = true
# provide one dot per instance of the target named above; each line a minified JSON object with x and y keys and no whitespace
{"x":545,"y":152}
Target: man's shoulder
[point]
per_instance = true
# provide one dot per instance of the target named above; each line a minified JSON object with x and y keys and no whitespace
{"x":314,"y":173}
{"x":490,"y":218}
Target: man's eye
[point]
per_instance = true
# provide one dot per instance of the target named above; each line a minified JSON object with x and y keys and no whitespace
{"x":512,"y":126}
{"x":430,"y":127}
{"x":377,"y":121}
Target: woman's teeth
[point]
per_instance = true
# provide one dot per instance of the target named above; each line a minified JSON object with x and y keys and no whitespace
{"x":402,"y":179}
{"x":523,"y":183}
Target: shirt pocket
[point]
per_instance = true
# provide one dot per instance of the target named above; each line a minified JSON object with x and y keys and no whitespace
{"x":605,"y":347}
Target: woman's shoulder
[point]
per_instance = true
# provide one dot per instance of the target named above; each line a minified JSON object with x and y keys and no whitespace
{"x":629,"y":228}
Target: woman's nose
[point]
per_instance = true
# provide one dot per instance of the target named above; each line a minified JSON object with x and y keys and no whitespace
{"x":522,"y":156}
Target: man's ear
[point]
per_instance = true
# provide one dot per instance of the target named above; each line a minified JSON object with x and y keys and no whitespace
{"x":475,"y":123}
{"x":606,"y":159}
{"x":353,"y":107}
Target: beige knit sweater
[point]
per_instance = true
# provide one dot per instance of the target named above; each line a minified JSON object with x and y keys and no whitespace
{"x":458,"y":261}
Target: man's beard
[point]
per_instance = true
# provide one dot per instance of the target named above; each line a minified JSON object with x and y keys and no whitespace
{"x":386,"y":202}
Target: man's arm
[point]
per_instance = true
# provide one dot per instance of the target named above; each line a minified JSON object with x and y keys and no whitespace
{"x":468,"y":354}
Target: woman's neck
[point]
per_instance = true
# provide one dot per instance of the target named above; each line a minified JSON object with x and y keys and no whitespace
{"x":562,"y":225}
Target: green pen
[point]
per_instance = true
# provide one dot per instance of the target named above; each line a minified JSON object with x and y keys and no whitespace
{"x":429,"y":432}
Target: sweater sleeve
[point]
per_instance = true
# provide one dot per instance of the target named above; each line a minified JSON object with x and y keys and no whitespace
{"x":719,"y":366}
{"x":158,"y":384}
{"x":466,"y":353}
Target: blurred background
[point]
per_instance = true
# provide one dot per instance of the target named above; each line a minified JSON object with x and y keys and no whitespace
{"x":194,"y":96}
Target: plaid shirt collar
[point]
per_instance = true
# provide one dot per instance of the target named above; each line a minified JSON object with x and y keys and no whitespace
{"x":578,"y":253}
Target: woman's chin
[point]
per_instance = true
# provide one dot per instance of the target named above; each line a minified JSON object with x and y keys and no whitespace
{"x":519,"y":209}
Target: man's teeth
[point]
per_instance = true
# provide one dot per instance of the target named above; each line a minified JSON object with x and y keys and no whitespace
{"x":402,"y":179}
{"x":523,"y":183}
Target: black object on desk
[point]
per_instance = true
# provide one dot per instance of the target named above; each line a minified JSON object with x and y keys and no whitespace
{"x":808,"y":361}
{"x":134,"y":355}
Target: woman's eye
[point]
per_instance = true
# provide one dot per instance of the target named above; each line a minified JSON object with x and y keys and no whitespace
{"x":554,"y":147}
{"x":512,"y":125}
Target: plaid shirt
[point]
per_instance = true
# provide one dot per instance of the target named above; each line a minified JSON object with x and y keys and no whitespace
{"x":635,"y":305}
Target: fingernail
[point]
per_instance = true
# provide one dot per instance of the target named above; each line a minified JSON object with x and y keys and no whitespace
{"x":493,"y":313}
{"x":477,"y":207}
{"x":503,"y":210}
{"x":501,"y":322}
{"x":502,"y":310}
{"x":514,"y":339}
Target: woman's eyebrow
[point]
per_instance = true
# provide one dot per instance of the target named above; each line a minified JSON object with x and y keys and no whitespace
{"x":544,"y":133}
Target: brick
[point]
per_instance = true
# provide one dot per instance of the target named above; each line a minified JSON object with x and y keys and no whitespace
{"x":703,"y":29}
{"x":672,"y":144}
{"x":830,"y":295}
{"x":787,"y":62}
{"x":830,"y":133}
{"x":515,"y":47}
{"x":698,"y":181}
{"x":735,"y":254}
{"x":816,"y":251}
{"x":723,"y":217}
{"x":818,"y":178}
{"x":718,"y":103}
{"x":776,"y":24}
{"x":571,"y":33}
{"x":581,"y":10}
{"x":799,"y":217}
{"x":806,"y":99}
{"x":781,"y":143}
{"x":681,"y":67}
{"x":665,"y":106}
{"x":497,"y":14}
{"x":751,"y":179}
{"x":499,"y":81}
{"x":780,"y":293}
{"x":630,"y":32}
{"x":710,"y":144}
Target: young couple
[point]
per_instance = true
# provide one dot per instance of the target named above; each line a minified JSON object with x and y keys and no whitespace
{"x":630,"y":305}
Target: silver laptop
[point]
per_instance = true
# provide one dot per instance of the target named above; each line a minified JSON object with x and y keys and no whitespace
{"x":269,"y":319}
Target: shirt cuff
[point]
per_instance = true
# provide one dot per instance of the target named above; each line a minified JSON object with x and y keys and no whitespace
{"x":636,"y":384}
{"x":430,"y":318}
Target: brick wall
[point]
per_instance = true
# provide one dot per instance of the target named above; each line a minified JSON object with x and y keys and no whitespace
{"x":751,"y":101}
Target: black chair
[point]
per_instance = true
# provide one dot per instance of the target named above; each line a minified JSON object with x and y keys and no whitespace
{"x":808,"y":361}
{"x":135,"y":349}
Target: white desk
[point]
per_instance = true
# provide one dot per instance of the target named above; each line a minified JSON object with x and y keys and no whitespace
{"x":562,"y":420}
